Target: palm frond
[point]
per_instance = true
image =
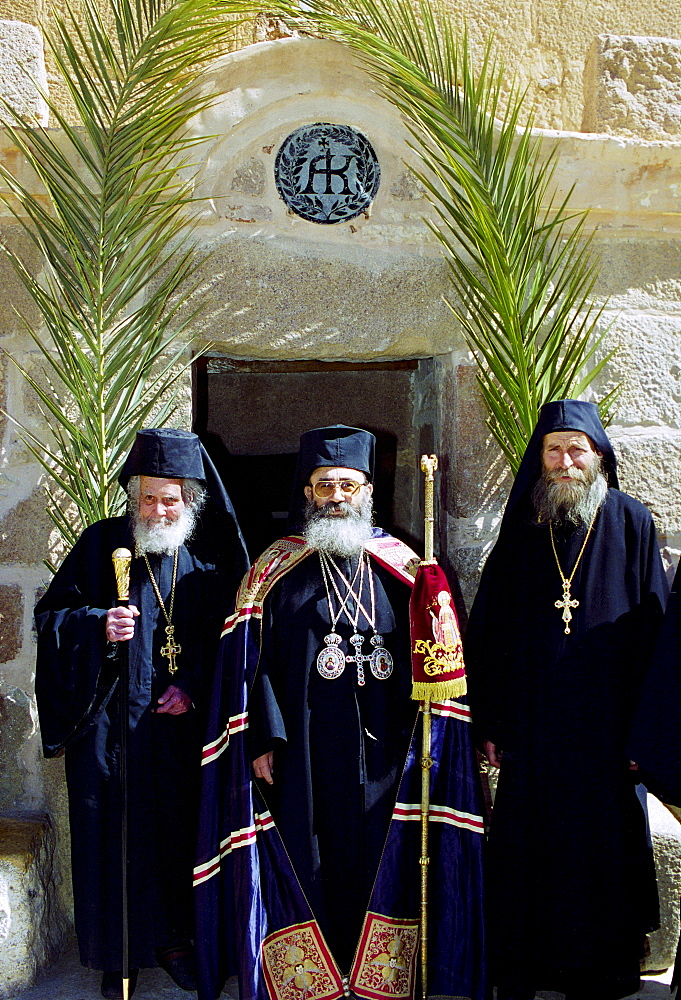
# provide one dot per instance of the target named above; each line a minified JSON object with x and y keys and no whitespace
{"x":112,"y":223}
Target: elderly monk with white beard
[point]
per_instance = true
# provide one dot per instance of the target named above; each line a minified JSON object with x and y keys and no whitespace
{"x":188,"y":557}
{"x":559,"y":639}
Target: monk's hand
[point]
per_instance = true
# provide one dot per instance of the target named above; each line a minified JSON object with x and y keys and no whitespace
{"x":263,"y":767}
{"x":492,"y":753}
{"x":173,"y":701}
{"x":120,"y":623}
{"x":633,"y":766}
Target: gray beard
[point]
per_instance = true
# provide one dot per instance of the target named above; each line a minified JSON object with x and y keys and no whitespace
{"x":339,"y":536}
{"x":576,"y":501}
{"x":164,"y":536}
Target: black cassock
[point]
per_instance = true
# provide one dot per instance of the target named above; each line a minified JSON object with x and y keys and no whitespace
{"x":656,"y":735}
{"x":339,"y":747}
{"x":571,"y":876}
{"x":78,"y":702}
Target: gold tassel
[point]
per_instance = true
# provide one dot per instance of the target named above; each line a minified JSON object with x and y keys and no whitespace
{"x":439,"y":690}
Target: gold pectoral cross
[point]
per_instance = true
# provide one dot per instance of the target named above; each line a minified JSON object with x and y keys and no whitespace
{"x":171,"y":649}
{"x":566,"y":604}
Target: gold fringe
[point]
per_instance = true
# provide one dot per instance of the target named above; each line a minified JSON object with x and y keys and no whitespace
{"x":439,"y":690}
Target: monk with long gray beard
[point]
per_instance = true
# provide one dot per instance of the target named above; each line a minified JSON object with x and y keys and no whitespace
{"x":559,"y":639}
{"x":188,"y":556}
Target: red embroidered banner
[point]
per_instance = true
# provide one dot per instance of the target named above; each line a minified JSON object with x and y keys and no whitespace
{"x":436,"y":653}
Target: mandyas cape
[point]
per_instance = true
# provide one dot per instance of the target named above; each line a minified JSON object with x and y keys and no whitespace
{"x":248,"y":891}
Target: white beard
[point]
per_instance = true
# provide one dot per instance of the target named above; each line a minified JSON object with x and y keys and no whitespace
{"x":335,"y":535}
{"x":163,"y":536}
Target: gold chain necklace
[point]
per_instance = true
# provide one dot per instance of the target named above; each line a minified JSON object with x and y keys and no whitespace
{"x":171,"y":648}
{"x":568,"y":603}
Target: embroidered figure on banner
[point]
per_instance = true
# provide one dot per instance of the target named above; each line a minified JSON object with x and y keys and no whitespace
{"x":445,"y":630}
{"x":444,"y":654}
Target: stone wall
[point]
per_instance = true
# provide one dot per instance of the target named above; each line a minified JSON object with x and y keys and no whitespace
{"x":274,"y":287}
{"x":543,"y":44}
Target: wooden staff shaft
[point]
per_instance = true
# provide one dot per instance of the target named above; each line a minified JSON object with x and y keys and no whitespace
{"x":121,"y":560}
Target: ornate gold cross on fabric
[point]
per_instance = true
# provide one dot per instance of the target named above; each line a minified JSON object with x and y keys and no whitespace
{"x":566,"y":604}
{"x":171,"y":649}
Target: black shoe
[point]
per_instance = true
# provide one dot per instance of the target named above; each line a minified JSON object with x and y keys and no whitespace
{"x":180,"y":965}
{"x":514,"y":994}
{"x":112,"y":984}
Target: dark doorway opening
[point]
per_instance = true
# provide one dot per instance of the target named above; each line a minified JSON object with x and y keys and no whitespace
{"x":250,"y":415}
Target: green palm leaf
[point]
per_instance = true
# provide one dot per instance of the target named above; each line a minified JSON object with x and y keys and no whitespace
{"x":113,"y":227}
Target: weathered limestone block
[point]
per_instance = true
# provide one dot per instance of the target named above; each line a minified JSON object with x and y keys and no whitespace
{"x":649,"y":461}
{"x":16,"y":726}
{"x":11,"y":621}
{"x":632,"y":86}
{"x":31,"y":924}
{"x":22,"y":71}
{"x":647,"y":366}
{"x":262,"y":298}
{"x":25,"y":531}
{"x":666,"y":832}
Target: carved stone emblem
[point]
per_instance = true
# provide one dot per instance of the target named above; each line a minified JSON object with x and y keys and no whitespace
{"x":327,"y":173}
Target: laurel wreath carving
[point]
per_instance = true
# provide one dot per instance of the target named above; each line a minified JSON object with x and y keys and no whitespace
{"x":290,"y":176}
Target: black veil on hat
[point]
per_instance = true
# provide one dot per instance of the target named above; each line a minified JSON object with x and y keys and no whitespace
{"x":338,"y":446}
{"x":560,"y":415}
{"x":171,"y":453}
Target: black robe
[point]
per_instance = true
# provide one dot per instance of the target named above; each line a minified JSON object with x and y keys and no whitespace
{"x":571,"y":877}
{"x":78,"y":703}
{"x":339,"y":748}
{"x":656,"y":736}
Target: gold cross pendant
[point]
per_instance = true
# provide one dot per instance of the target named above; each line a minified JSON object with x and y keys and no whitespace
{"x":171,"y":649}
{"x":566,"y":604}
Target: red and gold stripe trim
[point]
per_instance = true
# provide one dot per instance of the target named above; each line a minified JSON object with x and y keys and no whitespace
{"x":440,"y":814}
{"x":236,"y":839}
{"x":237,"y":724}
{"x":451,"y":710}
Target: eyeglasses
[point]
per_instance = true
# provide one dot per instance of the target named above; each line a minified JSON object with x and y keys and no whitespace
{"x":326,"y":488}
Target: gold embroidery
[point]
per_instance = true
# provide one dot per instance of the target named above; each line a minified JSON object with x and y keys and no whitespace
{"x":385,"y":965}
{"x":298,"y":965}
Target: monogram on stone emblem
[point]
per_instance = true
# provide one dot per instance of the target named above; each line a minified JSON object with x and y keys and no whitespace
{"x":327,"y":173}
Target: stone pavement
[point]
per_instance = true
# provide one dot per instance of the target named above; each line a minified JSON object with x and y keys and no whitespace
{"x":68,"y":980}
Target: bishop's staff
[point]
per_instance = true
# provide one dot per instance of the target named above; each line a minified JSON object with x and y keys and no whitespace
{"x":437,"y":673}
{"x":121,"y":561}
